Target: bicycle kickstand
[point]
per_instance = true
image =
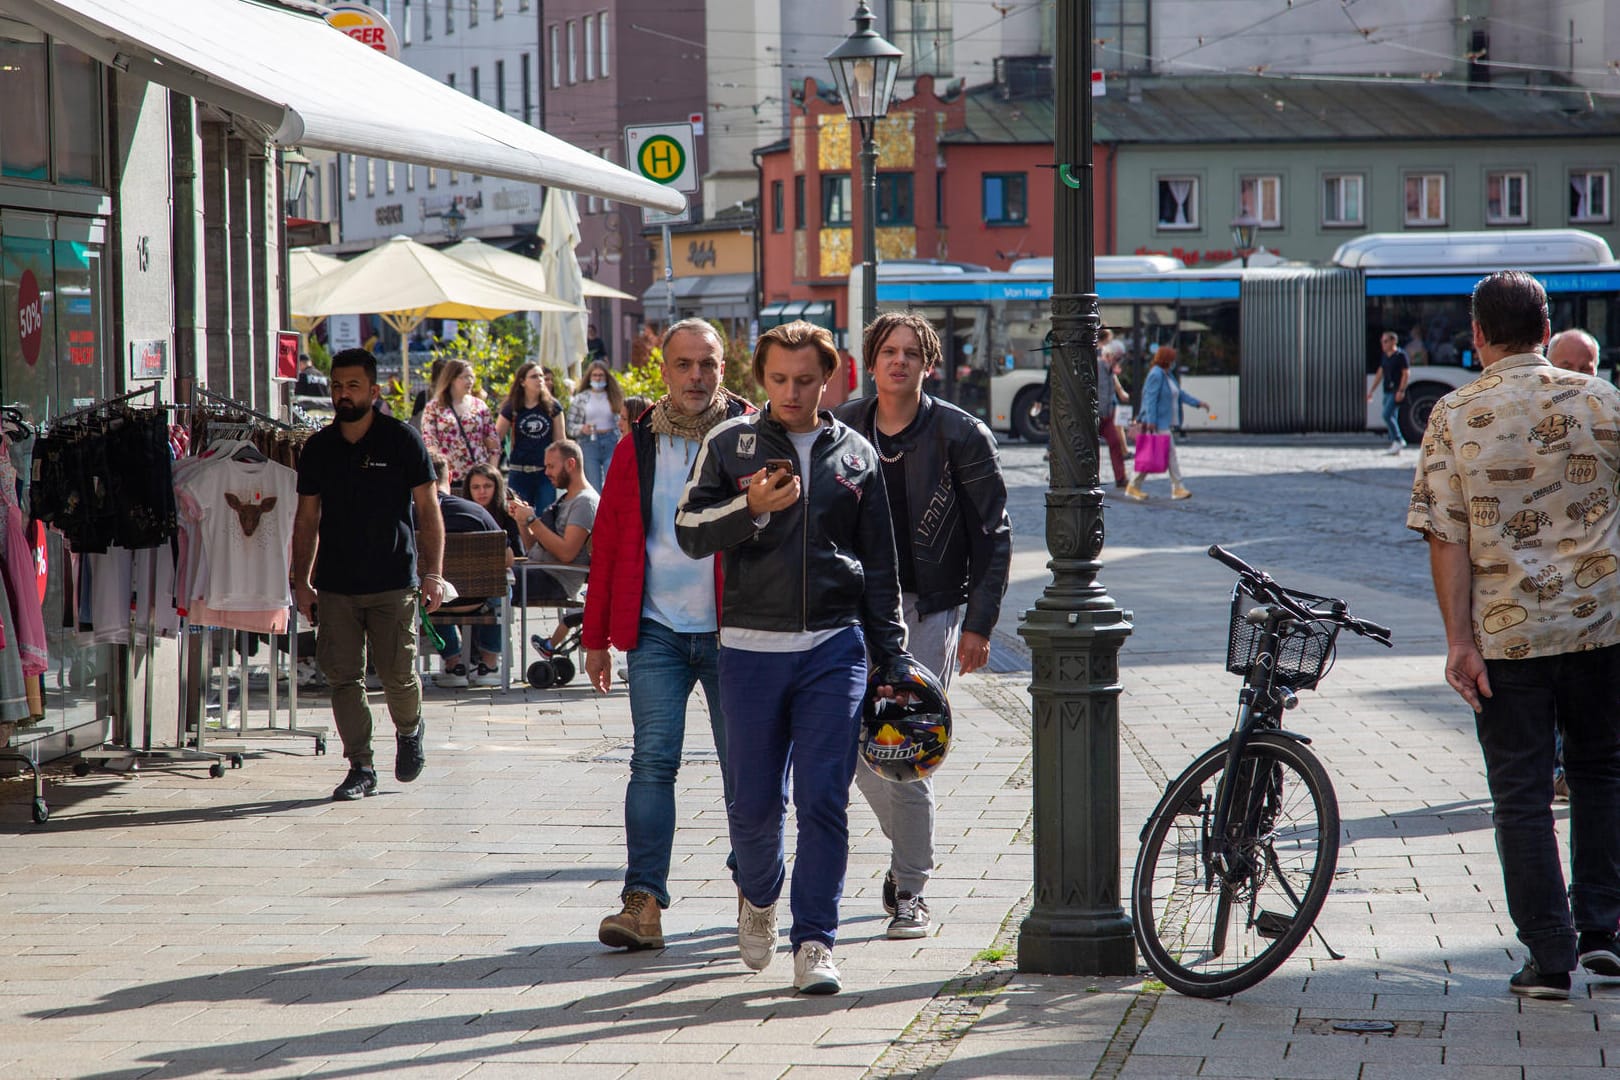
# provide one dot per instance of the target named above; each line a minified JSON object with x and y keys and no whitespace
{"x":1317,"y":930}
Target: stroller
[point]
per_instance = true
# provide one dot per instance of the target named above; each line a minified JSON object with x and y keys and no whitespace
{"x":557,"y":668}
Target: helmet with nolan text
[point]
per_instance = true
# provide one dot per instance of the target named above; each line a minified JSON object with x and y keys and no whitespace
{"x":904,"y":737}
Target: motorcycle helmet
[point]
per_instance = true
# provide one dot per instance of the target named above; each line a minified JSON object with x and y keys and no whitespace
{"x":904,"y":740}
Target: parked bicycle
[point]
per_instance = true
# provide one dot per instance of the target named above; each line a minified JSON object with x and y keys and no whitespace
{"x":1238,"y":856}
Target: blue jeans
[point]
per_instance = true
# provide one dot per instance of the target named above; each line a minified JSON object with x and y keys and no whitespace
{"x":798,"y":713}
{"x":663,"y":669}
{"x":533,"y":488}
{"x":1578,"y":693}
{"x":598,"y":451}
{"x":487,"y":638}
{"x":1392,"y":417}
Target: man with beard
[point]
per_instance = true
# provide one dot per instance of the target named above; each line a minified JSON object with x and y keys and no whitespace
{"x":358,"y":479}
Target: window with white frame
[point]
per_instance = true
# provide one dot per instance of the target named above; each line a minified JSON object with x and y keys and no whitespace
{"x":590,"y":47}
{"x":1341,"y":199}
{"x":1425,"y":199}
{"x":1507,"y":198}
{"x":1589,"y":195}
{"x":388,"y":177}
{"x":1262,"y":197}
{"x":602,"y":43}
{"x":371,"y":176}
{"x":472,"y":12}
{"x":449,"y":17}
{"x":405,"y":24}
{"x":573,"y":52}
{"x":410,"y":177}
{"x":1178,"y":202}
{"x":556,"y":57}
{"x":433,"y":177}
{"x":500,"y":8}
{"x":352,"y":179}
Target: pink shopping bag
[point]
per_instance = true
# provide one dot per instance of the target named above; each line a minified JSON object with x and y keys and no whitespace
{"x":1153,"y":452}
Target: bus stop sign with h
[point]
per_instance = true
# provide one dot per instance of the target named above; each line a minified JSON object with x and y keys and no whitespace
{"x":663,"y":153}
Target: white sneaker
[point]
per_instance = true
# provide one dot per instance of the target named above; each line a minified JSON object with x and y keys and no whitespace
{"x":451,"y":678}
{"x":485,"y":676}
{"x":756,"y":935}
{"x":1396,"y":447}
{"x":814,"y":971}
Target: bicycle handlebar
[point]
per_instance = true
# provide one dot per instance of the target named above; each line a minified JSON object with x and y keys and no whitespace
{"x":1261,"y":582}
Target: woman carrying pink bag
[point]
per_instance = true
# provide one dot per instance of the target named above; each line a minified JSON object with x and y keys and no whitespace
{"x":1156,"y":411}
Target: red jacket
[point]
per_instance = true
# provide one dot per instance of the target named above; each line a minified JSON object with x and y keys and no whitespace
{"x":614,"y":590}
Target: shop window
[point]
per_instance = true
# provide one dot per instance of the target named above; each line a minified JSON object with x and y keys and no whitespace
{"x":1589,"y":195}
{"x":835,"y":209}
{"x":1262,"y":197}
{"x":1341,"y":199}
{"x":1507,"y":198}
{"x":25,"y":138}
{"x":1426,"y":199}
{"x":76,"y":101}
{"x":1178,"y":202}
{"x":1006,"y":198}
{"x":894,"y":199}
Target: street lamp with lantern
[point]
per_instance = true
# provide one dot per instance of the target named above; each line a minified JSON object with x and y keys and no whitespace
{"x":1243,"y":229}
{"x":452,"y":220}
{"x":865,"y":67}
{"x":295,"y":169}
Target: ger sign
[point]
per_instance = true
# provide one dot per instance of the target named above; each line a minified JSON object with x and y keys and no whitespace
{"x":367,"y":26}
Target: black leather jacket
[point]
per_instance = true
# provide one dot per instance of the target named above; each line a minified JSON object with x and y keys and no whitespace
{"x":961,"y":539}
{"x":828,"y":561}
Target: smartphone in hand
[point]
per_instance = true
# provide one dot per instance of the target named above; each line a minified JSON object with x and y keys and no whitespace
{"x":774,"y":465}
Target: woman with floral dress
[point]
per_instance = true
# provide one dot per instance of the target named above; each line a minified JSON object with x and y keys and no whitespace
{"x":457,"y":423}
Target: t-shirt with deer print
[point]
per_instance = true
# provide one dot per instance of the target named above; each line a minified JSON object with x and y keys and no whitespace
{"x":244,"y":512}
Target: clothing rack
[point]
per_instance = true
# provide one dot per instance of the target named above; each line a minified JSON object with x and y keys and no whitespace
{"x":102,"y":405}
{"x":238,"y":408}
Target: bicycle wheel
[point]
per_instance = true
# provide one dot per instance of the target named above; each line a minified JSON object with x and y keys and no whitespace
{"x":1206,"y":934}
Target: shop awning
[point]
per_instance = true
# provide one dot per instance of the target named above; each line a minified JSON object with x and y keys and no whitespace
{"x":723,"y":296}
{"x":306,"y":84}
{"x":819,"y":312}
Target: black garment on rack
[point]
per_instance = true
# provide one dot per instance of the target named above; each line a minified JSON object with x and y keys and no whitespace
{"x":106,"y":479}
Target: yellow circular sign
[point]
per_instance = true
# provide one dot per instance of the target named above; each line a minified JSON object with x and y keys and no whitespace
{"x":661,"y":159}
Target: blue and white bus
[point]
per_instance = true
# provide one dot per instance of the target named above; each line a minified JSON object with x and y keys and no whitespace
{"x":1282,"y":348}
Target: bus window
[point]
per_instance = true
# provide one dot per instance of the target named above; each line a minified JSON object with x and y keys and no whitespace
{"x":1207,"y":337}
{"x":1018,"y":328}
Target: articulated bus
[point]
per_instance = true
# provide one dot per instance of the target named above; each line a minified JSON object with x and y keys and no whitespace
{"x":1288,"y":348}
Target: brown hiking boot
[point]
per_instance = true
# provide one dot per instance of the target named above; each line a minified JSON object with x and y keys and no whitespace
{"x":638,"y":926}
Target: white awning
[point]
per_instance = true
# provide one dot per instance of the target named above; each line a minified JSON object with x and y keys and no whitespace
{"x":307,"y":84}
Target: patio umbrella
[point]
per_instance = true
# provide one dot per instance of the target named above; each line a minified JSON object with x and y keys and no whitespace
{"x":474,"y":252}
{"x":305,"y":265}
{"x":595,"y":290}
{"x":562,"y":337}
{"x":406,"y":282}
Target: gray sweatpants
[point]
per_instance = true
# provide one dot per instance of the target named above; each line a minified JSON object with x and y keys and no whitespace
{"x":906,"y":811}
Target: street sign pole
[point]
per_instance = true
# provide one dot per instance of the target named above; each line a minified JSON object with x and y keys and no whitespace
{"x":663,"y":153}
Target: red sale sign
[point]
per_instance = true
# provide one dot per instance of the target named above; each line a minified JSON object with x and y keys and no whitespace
{"x":30,"y":317}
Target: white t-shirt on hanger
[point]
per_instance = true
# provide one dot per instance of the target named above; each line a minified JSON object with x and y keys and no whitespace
{"x":246,"y":522}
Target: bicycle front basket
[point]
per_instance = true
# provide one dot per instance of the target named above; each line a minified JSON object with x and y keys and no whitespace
{"x":1303,"y":653}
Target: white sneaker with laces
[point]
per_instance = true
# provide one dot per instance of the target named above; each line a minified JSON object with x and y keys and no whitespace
{"x":814,"y":971}
{"x":485,"y":676}
{"x":1396,"y":447}
{"x":451,"y":678}
{"x":756,"y":935}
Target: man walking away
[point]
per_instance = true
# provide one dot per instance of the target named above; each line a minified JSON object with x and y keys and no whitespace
{"x":1394,"y":369}
{"x":1515,"y":494}
{"x":939,"y":465}
{"x":358,"y":480}
{"x":649,"y":599}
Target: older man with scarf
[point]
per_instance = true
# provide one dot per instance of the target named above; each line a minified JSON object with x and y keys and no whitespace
{"x":648,"y":599}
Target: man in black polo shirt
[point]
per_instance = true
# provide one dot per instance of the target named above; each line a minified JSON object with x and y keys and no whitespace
{"x":358,"y":479}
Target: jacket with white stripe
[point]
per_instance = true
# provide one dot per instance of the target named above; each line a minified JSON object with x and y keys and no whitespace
{"x":827,"y":561}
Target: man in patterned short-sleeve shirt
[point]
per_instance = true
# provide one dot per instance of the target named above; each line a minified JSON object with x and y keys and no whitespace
{"x":1516,"y":492}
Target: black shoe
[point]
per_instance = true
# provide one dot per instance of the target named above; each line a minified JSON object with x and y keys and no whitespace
{"x":1528,"y":982}
{"x":891,"y":893}
{"x":408,"y":758}
{"x":357,"y":785}
{"x":1600,"y":955}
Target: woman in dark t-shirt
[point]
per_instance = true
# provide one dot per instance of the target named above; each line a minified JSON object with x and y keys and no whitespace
{"x":534,"y":420}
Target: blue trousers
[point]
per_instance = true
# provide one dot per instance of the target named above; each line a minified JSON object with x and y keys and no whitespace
{"x":597,"y":450}
{"x":797,"y":712}
{"x":1392,"y":417}
{"x":533,"y":488}
{"x":1578,"y":693}
{"x":663,"y":669}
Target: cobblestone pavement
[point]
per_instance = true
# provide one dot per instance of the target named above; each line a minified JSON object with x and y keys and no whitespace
{"x":167,"y":924}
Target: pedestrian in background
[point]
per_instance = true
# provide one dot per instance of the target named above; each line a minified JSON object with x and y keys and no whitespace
{"x":791,"y":499}
{"x":1156,"y":412}
{"x":659,"y":606}
{"x":534,"y":420}
{"x":633,"y":408}
{"x":1394,"y":368}
{"x":593,"y":418}
{"x":1574,"y":350}
{"x":939,"y":465}
{"x":1109,"y":395}
{"x":457,"y":423}
{"x":1525,"y":575}
{"x":355,"y":565}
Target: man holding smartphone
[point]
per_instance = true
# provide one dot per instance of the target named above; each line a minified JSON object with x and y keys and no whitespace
{"x":948,"y":503}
